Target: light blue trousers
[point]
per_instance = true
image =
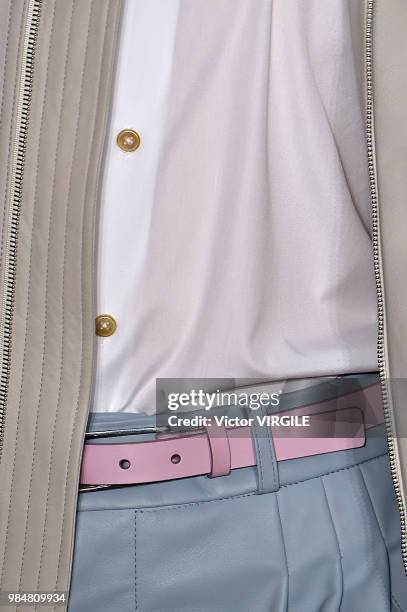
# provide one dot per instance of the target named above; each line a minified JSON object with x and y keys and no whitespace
{"x":327,"y":540}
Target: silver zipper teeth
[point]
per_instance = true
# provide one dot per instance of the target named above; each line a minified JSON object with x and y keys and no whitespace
{"x":17,"y":175}
{"x":378,"y":274}
{"x":33,"y":18}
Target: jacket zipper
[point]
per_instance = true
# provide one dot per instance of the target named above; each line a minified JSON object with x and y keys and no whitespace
{"x":381,"y":341}
{"x":14,"y":203}
{"x":17,"y":175}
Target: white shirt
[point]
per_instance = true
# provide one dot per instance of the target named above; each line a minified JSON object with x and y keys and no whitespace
{"x":235,"y":242}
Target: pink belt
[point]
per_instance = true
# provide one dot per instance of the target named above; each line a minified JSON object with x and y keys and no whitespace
{"x":217,"y":450}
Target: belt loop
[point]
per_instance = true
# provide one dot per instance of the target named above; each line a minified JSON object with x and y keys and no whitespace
{"x":220,"y":450}
{"x":267,"y":467}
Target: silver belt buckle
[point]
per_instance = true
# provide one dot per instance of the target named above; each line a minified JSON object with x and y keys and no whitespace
{"x":116,"y":433}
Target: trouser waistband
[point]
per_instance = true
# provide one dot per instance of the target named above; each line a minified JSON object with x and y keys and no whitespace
{"x":345,"y":409}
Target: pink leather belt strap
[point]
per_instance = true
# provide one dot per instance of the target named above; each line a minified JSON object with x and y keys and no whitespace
{"x":216,"y":451}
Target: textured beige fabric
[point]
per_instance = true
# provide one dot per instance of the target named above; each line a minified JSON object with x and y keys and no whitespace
{"x":11,"y":20}
{"x":53,"y":331}
{"x":390,"y":103}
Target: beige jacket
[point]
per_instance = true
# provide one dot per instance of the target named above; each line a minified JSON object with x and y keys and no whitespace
{"x":56,"y":65}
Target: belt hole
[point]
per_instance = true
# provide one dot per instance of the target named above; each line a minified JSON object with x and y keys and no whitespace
{"x":124,"y":464}
{"x":176,"y":459}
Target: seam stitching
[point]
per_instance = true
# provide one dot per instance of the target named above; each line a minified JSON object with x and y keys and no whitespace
{"x":226,"y":499}
{"x":272,"y":457}
{"x":11,"y":123}
{"x":260,"y":458}
{"x":82,"y":304}
{"x":6,"y":59}
{"x":5,"y":206}
{"x":397,"y":604}
{"x":16,"y":82}
{"x":376,"y":519}
{"x":367,"y":526}
{"x":47,"y":277}
{"x":289,"y":484}
{"x":6,"y":51}
{"x":40,"y":390}
{"x":338,"y":470}
{"x":336,"y":536}
{"x":23,"y":372}
{"x":287,"y":598}
{"x":63,"y":290}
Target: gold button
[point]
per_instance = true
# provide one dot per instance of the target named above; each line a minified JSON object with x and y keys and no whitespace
{"x":128,"y":140}
{"x":105,"y":325}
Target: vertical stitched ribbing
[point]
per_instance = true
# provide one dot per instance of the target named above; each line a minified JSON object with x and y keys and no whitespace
{"x":6,"y":50}
{"x":11,"y":122}
{"x":64,"y":272}
{"x":12,"y":487}
{"x":33,"y":225}
{"x":51,"y":460}
{"x":10,"y":140}
{"x":58,"y":225}
{"x":5,"y":65}
{"x":89,"y":224}
{"x":76,"y":410}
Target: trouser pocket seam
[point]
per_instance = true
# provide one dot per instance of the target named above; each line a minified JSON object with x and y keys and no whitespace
{"x":396,"y":603}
